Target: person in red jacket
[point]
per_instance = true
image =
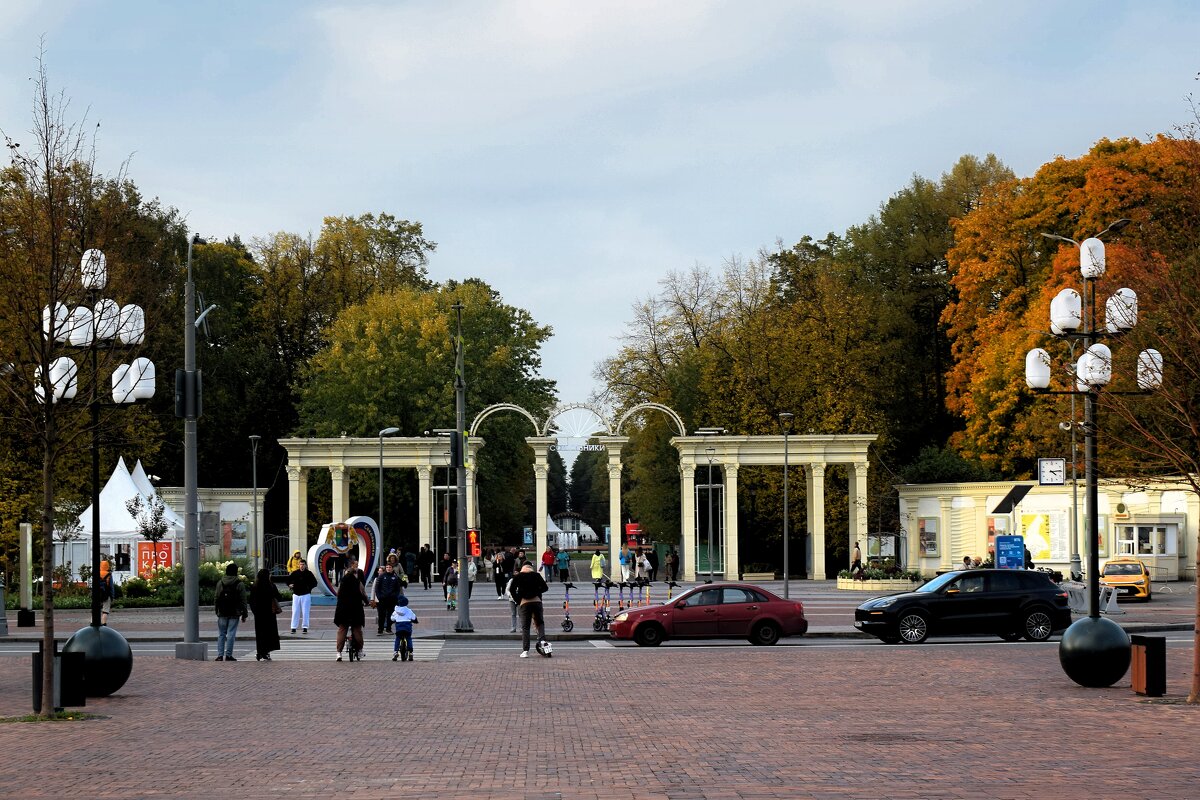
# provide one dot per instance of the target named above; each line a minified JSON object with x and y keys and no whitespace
{"x":548,"y":564}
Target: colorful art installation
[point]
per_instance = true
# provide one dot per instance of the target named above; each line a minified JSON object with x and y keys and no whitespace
{"x":336,"y":543}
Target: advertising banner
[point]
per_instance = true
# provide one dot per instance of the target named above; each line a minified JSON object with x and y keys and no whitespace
{"x":150,"y":557}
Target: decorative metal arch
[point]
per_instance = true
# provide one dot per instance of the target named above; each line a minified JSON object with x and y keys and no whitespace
{"x":657,"y":407}
{"x":492,"y":409}
{"x":558,"y":410}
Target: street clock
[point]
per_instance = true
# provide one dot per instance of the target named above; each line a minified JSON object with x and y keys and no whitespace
{"x":1052,"y":471}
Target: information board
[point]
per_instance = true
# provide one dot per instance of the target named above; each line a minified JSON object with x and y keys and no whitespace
{"x":1010,"y":552}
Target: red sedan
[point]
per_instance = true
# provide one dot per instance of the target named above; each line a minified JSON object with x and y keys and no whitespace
{"x":714,"y":611}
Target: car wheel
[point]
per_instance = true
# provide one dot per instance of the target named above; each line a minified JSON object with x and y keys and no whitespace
{"x":914,"y":627}
{"x":648,"y":635}
{"x":1037,"y":625}
{"x":1010,"y":636}
{"x":765,"y":633}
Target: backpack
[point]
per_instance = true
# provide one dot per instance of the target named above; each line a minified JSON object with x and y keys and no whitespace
{"x":228,"y":600}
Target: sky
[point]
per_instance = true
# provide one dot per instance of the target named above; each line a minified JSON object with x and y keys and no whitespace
{"x":572,"y":154}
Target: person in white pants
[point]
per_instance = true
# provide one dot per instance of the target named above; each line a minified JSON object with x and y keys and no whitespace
{"x":301,"y":582}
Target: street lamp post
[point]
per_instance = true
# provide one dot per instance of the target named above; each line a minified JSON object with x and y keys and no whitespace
{"x":187,"y":405}
{"x":785,"y":420}
{"x":463,"y":624}
{"x":1094,"y":651}
{"x":382,"y":433}
{"x":107,"y":655}
{"x":711,"y":453}
{"x":258,"y":548}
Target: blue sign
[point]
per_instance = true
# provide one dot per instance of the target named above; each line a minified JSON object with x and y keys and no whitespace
{"x":1010,"y":552}
{"x":528,"y":539}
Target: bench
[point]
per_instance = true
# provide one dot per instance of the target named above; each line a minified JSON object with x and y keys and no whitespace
{"x":758,"y":576}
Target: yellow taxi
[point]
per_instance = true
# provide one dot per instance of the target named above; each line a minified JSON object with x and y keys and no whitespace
{"x":1129,"y":576}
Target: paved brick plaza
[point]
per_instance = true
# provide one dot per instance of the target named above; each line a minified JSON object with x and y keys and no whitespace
{"x":785,"y":722}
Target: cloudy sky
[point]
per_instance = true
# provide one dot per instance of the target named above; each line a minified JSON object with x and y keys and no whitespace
{"x":572,"y":153}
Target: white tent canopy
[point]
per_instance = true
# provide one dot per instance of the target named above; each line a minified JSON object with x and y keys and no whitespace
{"x":115,"y":519}
{"x":142,"y":481}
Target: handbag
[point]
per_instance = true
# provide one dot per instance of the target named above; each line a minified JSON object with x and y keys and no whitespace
{"x":278,"y":609}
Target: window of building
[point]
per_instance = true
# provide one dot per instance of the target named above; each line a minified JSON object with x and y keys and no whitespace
{"x":1147,"y":540}
{"x":928,"y":531}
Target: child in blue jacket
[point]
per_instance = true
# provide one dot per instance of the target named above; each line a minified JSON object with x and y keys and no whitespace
{"x":403,"y":619}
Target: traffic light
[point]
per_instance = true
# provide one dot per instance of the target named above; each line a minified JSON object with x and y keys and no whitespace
{"x":473,"y":542}
{"x":458,"y":449}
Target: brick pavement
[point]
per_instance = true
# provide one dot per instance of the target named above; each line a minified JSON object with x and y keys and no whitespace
{"x":995,"y":721}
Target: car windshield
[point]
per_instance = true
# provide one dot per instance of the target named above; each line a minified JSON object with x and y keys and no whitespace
{"x":938,"y":582}
{"x":1122,"y":569}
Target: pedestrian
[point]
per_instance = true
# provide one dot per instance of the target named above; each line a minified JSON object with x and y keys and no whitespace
{"x":443,"y":567}
{"x":527,"y":590}
{"x":548,"y":560}
{"x":644,"y":566}
{"x":625,"y":559}
{"x":294,"y":562}
{"x":348,"y":614}
{"x":672,"y":565}
{"x":472,"y":571}
{"x":597,"y":566}
{"x":386,"y":592}
{"x":1028,"y":559}
{"x":563,"y":561}
{"x":498,"y":574}
{"x":521,"y":560}
{"x":403,"y":619}
{"x":450,"y":585}
{"x":512,"y":602}
{"x":652,"y":557}
{"x":410,"y":565}
{"x":856,"y":567}
{"x":301,"y":581}
{"x":425,"y":561}
{"x":230,"y":605}
{"x":264,"y":602}
{"x":966,"y":562}
{"x":106,"y":591}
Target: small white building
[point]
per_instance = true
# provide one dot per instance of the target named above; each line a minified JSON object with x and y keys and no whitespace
{"x":1157,"y":522}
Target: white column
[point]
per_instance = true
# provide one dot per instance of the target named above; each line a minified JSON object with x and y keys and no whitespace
{"x":541,"y":472}
{"x":687,"y":504}
{"x":909,"y":523}
{"x":816,"y":520}
{"x":945,"y":517}
{"x":858,"y":509}
{"x":425,"y":506}
{"x":297,"y":510}
{"x":340,"y":494}
{"x":733,"y":568}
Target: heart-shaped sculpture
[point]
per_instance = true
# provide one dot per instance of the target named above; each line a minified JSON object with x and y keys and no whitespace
{"x":357,"y":536}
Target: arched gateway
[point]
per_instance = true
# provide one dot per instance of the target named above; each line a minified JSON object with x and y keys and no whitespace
{"x":811,"y":453}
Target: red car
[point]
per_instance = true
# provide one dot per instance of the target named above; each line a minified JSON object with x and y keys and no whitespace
{"x":714,"y":611}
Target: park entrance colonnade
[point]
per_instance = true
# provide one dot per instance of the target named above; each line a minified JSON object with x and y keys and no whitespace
{"x":812,"y":453}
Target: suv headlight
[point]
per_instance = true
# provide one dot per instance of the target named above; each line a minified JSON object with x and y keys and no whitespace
{"x":1140,"y":582}
{"x":885,"y":602}
{"x":621,"y":617}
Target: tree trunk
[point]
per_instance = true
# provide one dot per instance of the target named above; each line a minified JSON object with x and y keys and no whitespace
{"x":1194,"y":695}
{"x":48,"y":575}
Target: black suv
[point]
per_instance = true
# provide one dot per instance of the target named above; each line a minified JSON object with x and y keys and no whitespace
{"x":1010,"y":603}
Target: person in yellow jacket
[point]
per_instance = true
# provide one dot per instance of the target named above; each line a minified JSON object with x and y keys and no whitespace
{"x":294,"y":562}
{"x":597,"y":566}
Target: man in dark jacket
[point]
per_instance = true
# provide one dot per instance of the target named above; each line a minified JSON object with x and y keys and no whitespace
{"x":527,"y":590}
{"x":425,"y":561}
{"x":387,"y":591}
{"x":301,"y":581}
{"x":230,"y":605}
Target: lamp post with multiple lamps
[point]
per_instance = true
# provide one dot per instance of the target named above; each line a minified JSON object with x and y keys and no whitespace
{"x":390,"y":431}
{"x":258,"y":548}
{"x":785,"y":420}
{"x":1094,"y":651}
{"x":108,"y":658}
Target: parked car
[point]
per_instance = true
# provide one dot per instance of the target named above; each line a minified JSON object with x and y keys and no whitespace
{"x":1006,"y":602}
{"x":714,"y":611}
{"x":1129,"y":576}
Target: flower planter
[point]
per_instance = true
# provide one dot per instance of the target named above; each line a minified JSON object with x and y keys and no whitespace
{"x":893,"y":585}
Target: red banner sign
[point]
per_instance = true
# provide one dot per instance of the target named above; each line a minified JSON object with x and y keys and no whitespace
{"x":150,"y":556}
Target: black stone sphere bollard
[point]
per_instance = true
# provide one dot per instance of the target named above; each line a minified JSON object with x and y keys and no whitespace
{"x":107,"y":659}
{"x":1095,"y":652}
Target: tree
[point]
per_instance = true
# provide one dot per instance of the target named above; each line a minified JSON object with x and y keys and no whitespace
{"x":150,"y":517}
{"x":53,"y":207}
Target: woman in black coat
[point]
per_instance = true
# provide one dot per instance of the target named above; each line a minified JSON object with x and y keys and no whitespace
{"x":264,"y":598}
{"x":348,"y":613}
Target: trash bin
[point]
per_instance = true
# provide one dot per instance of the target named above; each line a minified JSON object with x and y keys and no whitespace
{"x":1149,"y":665}
{"x":68,"y":680}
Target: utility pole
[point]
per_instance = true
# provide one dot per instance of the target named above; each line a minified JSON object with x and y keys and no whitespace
{"x":463,"y":625}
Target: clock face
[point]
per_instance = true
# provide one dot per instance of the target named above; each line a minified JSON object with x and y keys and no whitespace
{"x":1052,"y":471}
